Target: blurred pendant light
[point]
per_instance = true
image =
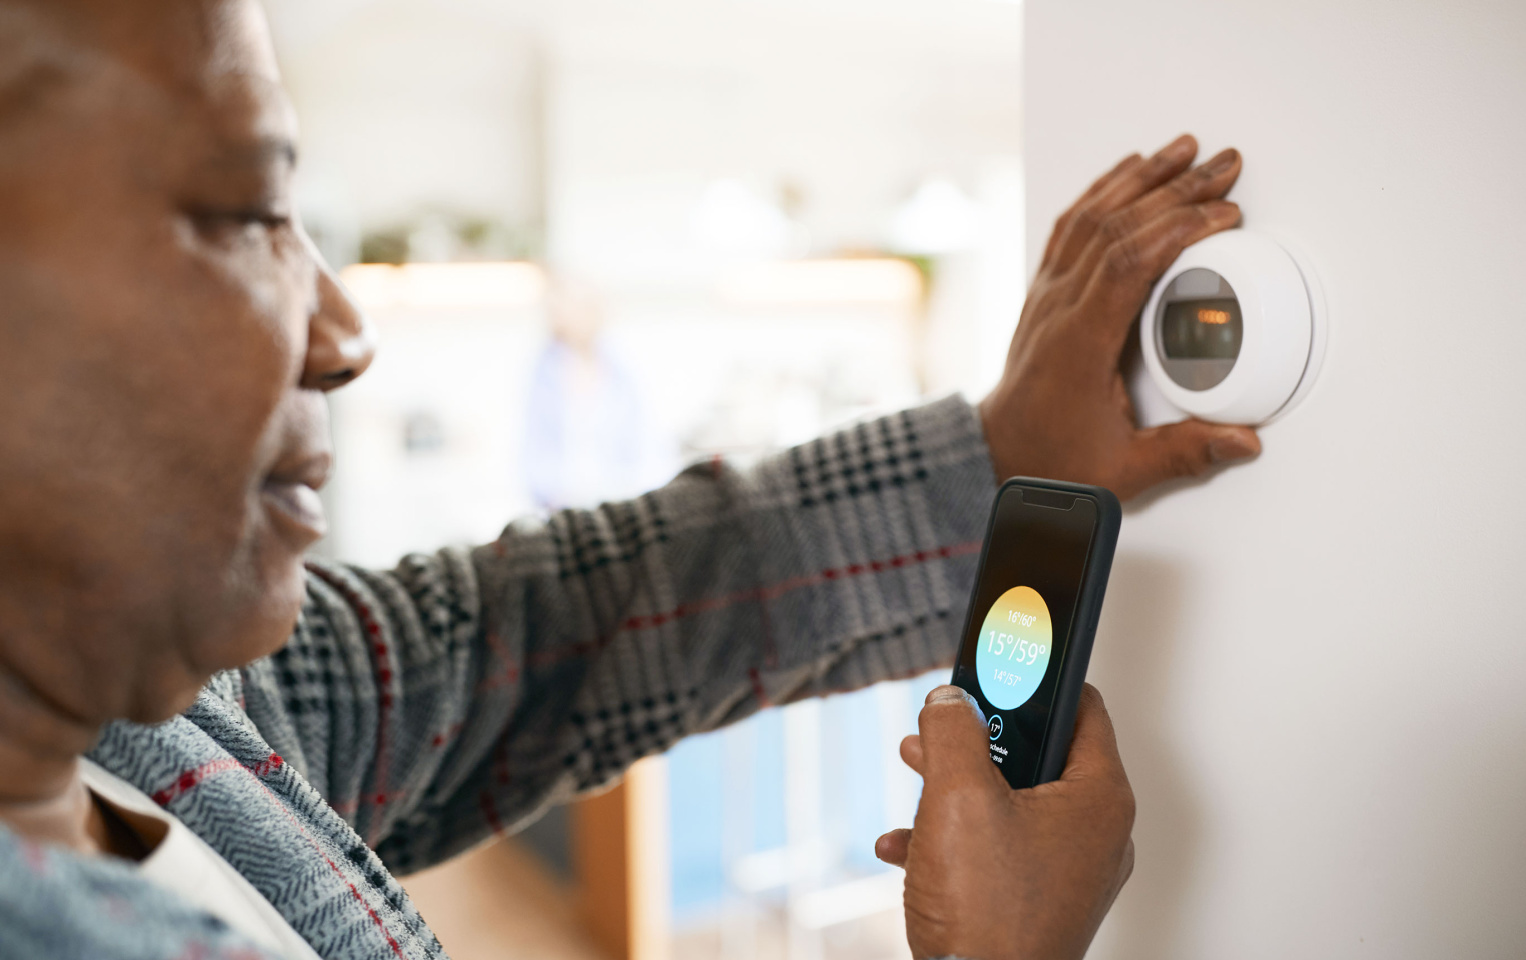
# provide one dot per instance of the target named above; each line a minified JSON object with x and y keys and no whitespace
{"x":733,"y":219}
{"x":938,"y":218}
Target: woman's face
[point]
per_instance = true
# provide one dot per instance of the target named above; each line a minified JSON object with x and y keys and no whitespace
{"x":166,"y":334}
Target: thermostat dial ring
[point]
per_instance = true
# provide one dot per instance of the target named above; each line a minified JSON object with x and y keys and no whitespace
{"x":1277,"y":323}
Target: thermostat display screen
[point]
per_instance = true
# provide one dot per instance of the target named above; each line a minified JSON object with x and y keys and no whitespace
{"x":1201,"y":329}
{"x":1233,"y":331}
{"x":1198,"y":329}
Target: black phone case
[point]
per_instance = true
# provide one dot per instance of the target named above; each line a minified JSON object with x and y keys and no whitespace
{"x":1078,"y":652}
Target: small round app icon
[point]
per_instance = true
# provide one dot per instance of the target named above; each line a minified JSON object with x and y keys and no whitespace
{"x":1013,"y":650}
{"x":995,"y":726}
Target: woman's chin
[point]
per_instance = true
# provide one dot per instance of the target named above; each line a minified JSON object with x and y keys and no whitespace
{"x":267,"y":626}
{"x":250,"y":617}
{"x":260,"y":624}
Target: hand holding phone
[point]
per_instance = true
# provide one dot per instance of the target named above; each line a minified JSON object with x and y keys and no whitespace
{"x":1028,"y":633}
{"x":1005,"y":874}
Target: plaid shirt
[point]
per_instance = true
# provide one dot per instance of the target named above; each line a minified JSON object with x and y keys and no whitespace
{"x":417,"y":712}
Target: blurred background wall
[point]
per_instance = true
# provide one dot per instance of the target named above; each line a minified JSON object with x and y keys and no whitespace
{"x":601,"y":240}
{"x":1315,"y":662}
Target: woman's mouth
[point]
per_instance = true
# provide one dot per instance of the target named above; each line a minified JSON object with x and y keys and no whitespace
{"x":298,"y":506}
{"x":290,"y":496}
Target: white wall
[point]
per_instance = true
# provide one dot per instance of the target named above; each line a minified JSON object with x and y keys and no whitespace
{"x":603,"y":121}
{"x":594,"y":131}
{"x":843,"y":104}
{"x":409,"y":107}
{"x":1316,"y":662}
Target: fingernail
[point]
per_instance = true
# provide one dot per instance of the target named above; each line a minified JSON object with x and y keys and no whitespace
{"x":1233,"y":446}
{"x":1182,"y":146}
{"x":946,"y":692}
{"x":1221,"y":162}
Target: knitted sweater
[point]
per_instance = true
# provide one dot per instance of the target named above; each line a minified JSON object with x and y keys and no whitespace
{"x":417,"y":712}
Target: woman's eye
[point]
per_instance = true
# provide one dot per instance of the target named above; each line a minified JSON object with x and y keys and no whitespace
{"x":240,"y":223}
{"x":265,"y":218}
{"x":252,"y":217}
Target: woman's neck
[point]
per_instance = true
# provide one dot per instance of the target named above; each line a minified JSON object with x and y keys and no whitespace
{"x":42,"y":796}
{"x":65,"y":814}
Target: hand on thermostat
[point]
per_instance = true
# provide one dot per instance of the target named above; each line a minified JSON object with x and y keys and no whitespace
{"x":1005,"y":874}
{"x":1060,"y":410}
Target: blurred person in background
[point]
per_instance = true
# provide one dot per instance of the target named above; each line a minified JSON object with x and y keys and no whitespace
{"x":587,"y":437}
{"x":209,"y":748}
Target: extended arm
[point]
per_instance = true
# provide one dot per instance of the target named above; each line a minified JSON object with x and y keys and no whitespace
{"x":461,"y":692}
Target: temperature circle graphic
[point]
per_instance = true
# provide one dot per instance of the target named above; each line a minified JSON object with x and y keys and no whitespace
{"x":1013,"y":650}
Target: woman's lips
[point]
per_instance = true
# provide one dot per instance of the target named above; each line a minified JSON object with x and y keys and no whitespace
{"x":290,"y":494}
{"x":298,"y":505}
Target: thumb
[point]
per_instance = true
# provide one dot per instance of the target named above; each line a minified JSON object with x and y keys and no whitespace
{"x":954,"y":740}
{"x":894,"y":847}
{"x":1187,"y":449}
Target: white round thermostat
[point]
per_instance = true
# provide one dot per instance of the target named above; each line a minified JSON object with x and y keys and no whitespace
{"x":1234,"y":331}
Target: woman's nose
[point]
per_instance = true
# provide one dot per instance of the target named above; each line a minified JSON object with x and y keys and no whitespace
{"x":340,"y":343}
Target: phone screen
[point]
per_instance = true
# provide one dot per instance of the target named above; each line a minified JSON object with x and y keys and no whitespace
{"x":1020,"y":626}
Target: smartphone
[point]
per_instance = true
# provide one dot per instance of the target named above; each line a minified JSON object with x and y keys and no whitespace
{"x":1028,"y":633}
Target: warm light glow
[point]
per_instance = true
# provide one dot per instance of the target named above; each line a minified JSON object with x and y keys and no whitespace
{"x":865,"y":281}
{"x":1215,"y":317}
{"x":382,"y":285}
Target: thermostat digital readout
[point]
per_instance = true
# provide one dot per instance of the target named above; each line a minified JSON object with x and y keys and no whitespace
{"x":1234,"y":330}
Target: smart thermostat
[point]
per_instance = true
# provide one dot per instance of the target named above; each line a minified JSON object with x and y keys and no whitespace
{"x":1234,"y":331}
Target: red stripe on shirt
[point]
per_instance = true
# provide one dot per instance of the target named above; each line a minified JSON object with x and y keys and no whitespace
{"x":753,"y":595}
{"x":384,"y":682}
{"x":190,"y":779}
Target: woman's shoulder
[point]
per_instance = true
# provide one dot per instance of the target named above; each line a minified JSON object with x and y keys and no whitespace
{"x":55,"y":903}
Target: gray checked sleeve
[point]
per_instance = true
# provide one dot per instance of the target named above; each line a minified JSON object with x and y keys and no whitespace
{"x":458,"y":694}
